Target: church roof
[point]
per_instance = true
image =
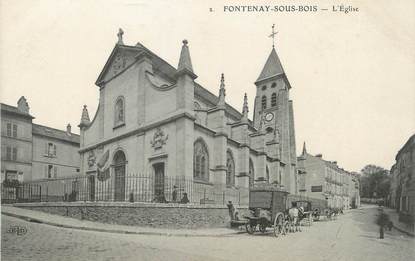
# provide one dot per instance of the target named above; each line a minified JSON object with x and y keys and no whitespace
{"x":167,"y":70}
{"x":272,"y":67}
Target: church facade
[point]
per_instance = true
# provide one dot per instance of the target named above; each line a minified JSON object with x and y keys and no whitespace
{"x":155,"y":120}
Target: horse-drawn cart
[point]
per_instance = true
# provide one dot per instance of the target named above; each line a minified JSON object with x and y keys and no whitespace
{"x":267,"y":206}
{"x":306,"y":213}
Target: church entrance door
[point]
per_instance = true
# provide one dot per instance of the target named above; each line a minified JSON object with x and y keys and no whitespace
{"x":159,"y":182}
{"x":119,"y":173}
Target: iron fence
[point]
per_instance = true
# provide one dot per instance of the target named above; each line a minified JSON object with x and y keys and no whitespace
{"x":132,"y":188}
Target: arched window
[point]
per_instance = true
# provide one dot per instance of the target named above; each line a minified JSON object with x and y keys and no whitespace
{"x":264,"y":87}
{"x":251,"y":173}
{"x":200,"y":160}
{"x":264,"y":102}
{"x":119,"y":158}
{"x":119,"y":116}
{"x":230,"y":166}
{"x":274,"y":84}
{"x":273,"y":99}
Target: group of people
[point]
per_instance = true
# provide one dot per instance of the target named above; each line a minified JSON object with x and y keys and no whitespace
{"x":160,"y":198}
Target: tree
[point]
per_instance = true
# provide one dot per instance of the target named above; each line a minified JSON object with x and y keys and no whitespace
{"x":375,"y":182}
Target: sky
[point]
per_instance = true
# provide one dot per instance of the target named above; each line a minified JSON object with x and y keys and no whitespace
{"x":352,"y":75}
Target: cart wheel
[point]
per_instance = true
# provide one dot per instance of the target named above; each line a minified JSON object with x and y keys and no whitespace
{"x":250,"y":228}
{"x":262,"y":228}
{"x":279,"y":225}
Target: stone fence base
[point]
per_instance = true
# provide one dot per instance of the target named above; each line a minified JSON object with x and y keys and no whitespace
{"x":141,"y":214}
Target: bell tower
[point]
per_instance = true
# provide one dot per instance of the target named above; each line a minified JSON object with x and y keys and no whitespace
{"x":271,"y":97}
{"x":273,"y":116}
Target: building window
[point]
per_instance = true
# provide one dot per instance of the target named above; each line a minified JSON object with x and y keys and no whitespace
{"x":119,"y":111}
{"x":8,"y":153}
{"x":230,"y":172}
{"x":14,"y":155}
{"x":264,"y":102}
{"x":273,"y":99}
{"x":251,"y":173}
{"x":200,"y":161}
{"x":14,"y":130}
{"x":264,"y":87}
{"x":50,"y":149}
{"x":9,"y":129}
{"x":274,"y":85}
{"x":50,"y":171}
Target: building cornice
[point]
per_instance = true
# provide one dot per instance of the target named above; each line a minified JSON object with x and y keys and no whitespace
{"x":139,"y":131}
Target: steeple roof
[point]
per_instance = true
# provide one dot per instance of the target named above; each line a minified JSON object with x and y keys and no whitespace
{"x":272,"y":67}
{"x":221,"y":102}
{"x":85,"y":121}
{"x":185,"y":63}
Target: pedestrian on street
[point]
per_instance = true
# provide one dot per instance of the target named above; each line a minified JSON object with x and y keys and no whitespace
{"x":185,"y":199}
{"x":231,"y":209}
{"x":174,"y":194}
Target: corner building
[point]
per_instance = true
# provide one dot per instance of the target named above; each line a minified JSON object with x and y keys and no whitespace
{"x":155,"y":120}
{"x":32,"y":152}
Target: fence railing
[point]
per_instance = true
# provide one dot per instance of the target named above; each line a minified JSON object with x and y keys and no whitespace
{"x":133,"y":188}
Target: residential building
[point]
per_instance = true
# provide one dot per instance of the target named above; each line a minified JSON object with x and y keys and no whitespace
{"x":33,"y":152}
{"x":403,"y":180}
{"x":325,"y":180}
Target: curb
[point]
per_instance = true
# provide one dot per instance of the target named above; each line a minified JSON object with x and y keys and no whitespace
{"x":404,"y":231}
{"x":115,"y":231}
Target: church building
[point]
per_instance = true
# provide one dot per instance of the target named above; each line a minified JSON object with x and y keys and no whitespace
{"x":155,"y":120}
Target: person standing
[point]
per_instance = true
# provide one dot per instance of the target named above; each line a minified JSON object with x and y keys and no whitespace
{"x":174,"y":194}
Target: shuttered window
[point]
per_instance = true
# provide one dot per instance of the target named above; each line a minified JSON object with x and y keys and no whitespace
{"x":14,"y":130}
{"x":9,"y":129}
{"x":50,"y":171}
{"x":8,"y":153}
{"x":14,"y":155}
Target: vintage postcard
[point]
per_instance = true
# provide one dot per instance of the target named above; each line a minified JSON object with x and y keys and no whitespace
{"x":207,"y":130}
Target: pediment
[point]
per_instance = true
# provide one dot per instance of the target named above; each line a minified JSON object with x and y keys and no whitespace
{"x":120,"y":59}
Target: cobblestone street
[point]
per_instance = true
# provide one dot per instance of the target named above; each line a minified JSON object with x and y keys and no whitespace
{"x":353,"y":236}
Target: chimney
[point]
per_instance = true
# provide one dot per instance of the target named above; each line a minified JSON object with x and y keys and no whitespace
{"x":68,"y":129}
{"x":319,"y":156}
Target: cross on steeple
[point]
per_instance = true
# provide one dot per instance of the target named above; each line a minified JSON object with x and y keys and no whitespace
{"x":119,"y":34}
{"x":273,"y":35}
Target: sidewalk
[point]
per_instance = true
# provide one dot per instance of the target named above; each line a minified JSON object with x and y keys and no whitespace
{"x":66,"y":222}
{"x":394,"y":217}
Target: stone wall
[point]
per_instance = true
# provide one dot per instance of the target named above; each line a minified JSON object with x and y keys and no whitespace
{"x":141,"y":214}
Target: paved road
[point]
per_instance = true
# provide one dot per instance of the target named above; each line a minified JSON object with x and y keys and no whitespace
{"x":352,"y":236}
